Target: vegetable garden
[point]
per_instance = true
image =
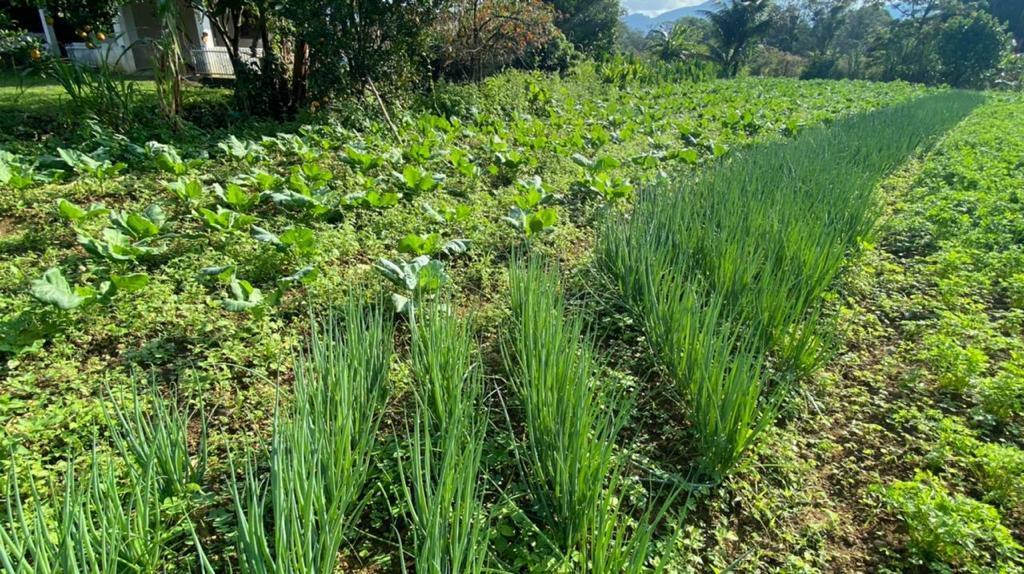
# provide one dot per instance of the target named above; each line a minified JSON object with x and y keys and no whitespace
{"x":575,"y":324}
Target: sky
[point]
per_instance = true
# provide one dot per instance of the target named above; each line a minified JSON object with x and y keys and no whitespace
{"x":655,"y":7}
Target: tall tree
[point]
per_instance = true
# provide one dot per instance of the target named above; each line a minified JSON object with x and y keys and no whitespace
{"x":862,"y":25}
{"x":941,"y":41}
{"x":591,"y":25}
{"x":354,"y":43}
{"x":1011,"y":13}
{"x":734,"y":30}
{"x":827,"y":18}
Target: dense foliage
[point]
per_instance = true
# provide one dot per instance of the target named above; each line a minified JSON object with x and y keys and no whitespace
{"x":955,"y":42}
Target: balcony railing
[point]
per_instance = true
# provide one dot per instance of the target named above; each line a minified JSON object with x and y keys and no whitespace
{"x":110,"y":51}
{"x":214,"y":60}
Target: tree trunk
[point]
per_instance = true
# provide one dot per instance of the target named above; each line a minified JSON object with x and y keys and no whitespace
{"x":300,"y":72}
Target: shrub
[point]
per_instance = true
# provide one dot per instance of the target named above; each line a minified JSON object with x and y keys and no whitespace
{"x":955,"y":367}
{"x":477,"y":38}
{"x":948,"y":529}
{"x":1002,"y":396}
{"x":1000,"y":471}
{"x":768,"y":61}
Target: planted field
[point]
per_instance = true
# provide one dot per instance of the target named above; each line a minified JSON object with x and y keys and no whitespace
{"x":547,"y":325}
{"x":197,"y":261}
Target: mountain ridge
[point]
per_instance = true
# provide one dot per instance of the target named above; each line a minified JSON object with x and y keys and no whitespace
{"x":643,"y":23}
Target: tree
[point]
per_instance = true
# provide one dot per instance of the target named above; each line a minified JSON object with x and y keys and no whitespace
{"x":85,"y":16}
{"x":591,"y":25}
{"x":941,"y":41}
{"x":1011,"y":13}
{"x":790,"y":28}
{"x":827,"y":18}
{"x":862,"y":25}
{"x":971,"y":48}
{"x":352,"y":43}
{"x":480,"y":37}
{"x":261,"y":85}
{"x":680,"y":41}
{"x":734,"y":30}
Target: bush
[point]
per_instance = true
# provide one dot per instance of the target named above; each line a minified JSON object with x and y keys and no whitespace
{"x":1002,"y":396}
{"x":376,"y":40}
{"x":971,"y":48}
{"x":768,"y":61}
{"x":478,"y":38}
{"x":948,"y":529}
{"x":1000,"y":471}
{"x":557,"y":55}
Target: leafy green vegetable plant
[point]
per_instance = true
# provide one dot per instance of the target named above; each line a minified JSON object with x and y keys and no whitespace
{"x":100,"y":170}
{"x":432,"y":245}
{"x":416,"y":181}
{"x":76,"y":214}
{"x":225,"y":220}
{"x":53,"y":289}
{"x":532,"y":214}
{"x":415,"y":279}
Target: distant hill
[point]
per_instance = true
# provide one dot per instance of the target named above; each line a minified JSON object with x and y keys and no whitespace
{"x":643,"y":24}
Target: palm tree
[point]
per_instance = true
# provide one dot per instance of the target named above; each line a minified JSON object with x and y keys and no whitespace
{"x":734,"y":28}
{"x":679,"y":42}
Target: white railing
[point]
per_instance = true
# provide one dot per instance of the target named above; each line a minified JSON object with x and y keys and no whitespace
{"x":214,"y":61}
{"x":114,"y":54}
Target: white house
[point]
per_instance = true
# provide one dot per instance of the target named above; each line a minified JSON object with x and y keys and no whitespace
{"x":129,"y":47}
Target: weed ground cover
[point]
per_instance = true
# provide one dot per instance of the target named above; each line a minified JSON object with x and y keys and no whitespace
{"x":934,"y":331}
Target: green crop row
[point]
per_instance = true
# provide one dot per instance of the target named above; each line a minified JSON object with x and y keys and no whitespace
{"x":946,"y":292}
{"x":726,"y":271}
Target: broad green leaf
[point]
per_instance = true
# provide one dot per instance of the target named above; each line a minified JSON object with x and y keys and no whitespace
{"x":243,"y":296}
{"x":130,"y":282}
{"x":300,"y":238}
{"x":53,"y":289}
{"x":223,"y":273}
